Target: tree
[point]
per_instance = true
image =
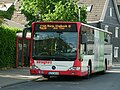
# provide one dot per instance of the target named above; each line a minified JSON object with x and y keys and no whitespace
{"x":1,"y":20}
{"x":6,"y":14}
{"x":51,"y":10}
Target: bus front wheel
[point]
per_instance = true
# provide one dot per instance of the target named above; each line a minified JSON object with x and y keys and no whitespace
{"x":89,"y":72}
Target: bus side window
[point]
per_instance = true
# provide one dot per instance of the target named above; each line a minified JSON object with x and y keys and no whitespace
{"x":83,"y":38}
{"x":87,"y":40}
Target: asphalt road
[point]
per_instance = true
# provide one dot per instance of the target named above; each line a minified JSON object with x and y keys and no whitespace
{"x":108,"y":81}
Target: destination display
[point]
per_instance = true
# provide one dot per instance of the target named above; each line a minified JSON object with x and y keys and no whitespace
{"x":55,"y":27}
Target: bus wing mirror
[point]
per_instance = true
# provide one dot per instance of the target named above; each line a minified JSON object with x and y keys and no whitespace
{"x":83,"y":39}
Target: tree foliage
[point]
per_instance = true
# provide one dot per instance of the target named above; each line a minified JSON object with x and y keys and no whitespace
{"x":6,"y":14}
{"x":52,"y":10}
{"x":1,"y":20}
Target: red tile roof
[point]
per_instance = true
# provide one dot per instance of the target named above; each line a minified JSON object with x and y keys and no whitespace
{"x":7,"y":1}
{"x":118,"y":2}
{"x":96,"y":11}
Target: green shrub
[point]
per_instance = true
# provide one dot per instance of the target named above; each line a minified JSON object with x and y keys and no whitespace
{"x":7,"y":46}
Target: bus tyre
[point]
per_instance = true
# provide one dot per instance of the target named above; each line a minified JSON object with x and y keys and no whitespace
{"x":89,"y":72}
{"x":103,"y":72}
{"x":105,"y":68}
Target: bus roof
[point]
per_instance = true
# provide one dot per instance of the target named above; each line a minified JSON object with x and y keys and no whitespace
{"x":96,"y":28}
{"x":55,"y":22}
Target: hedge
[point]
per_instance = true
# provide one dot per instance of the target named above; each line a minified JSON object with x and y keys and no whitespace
{"x":7,"y":47}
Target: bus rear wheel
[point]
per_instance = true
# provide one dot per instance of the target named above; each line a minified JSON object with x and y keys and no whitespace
{"x":89,"y":70}
{"x":105,"y":64}
{"x":105,"y":67}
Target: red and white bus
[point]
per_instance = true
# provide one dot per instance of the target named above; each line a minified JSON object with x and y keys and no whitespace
{"x":69,"y":48}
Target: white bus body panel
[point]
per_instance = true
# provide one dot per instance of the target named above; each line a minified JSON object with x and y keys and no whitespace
{"x":60,"y":65}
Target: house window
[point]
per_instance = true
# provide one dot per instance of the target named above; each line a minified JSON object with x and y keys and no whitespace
{"x":116,"y":52}
{"x":89,"y":8}
{"x":110,"y":12}
{"x":116,"y":32}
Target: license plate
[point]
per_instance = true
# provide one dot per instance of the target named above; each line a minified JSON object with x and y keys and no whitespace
{"x":53,"y":73}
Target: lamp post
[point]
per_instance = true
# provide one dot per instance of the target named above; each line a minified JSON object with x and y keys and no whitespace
{"x":79,"y":13}
{"x":79,"y":7}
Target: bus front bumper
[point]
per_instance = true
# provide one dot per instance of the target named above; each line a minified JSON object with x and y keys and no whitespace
{"x":58,"y":73}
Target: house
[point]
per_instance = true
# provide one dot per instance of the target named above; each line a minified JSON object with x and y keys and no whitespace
{"x":18,"y":20}
{"x":2,"y":2}
{"x":104,"y":14}
{"x":118,"y":4}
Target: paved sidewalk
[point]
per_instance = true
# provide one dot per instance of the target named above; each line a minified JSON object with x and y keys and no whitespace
{"x":15,"y":76}
{"x":116,"y":64}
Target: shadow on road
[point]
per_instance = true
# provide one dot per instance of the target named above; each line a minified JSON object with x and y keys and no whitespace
{"x":67,"y":78}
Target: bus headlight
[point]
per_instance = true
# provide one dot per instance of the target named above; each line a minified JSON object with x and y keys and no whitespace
{"x":74,"y":68}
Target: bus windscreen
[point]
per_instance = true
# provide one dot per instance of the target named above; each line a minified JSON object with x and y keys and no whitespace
{"x":55,"y":41}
